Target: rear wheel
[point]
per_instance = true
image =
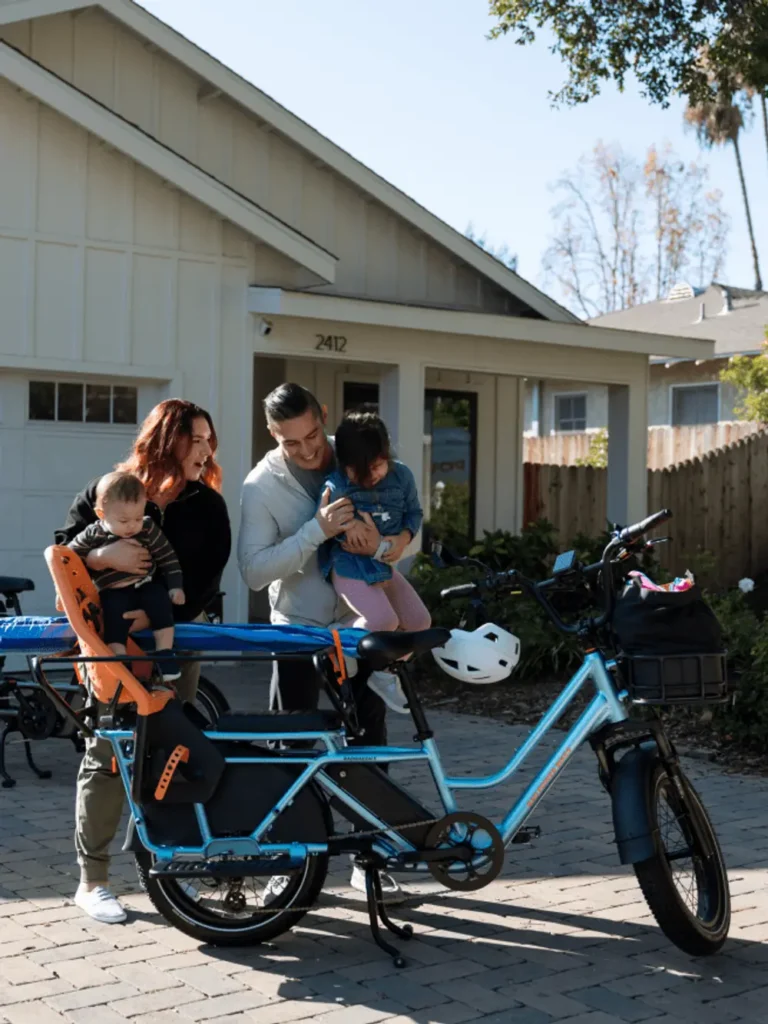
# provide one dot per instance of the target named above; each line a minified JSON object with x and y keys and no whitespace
{"x":210,"y":701}
{"x":685,"y":884}
{"x":235,"y":912}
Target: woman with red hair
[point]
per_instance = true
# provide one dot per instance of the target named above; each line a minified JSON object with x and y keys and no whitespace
{"x":174,"y":457}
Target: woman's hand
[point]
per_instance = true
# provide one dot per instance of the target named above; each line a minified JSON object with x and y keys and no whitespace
{"x":363,"y":538}
{"x":123,"y":556}
{"x":398,"y":545}
{"x":139,"y":620}
{"x":177,"y":596}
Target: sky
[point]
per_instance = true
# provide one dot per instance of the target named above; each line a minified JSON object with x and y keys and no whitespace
{"x":416,"y":91}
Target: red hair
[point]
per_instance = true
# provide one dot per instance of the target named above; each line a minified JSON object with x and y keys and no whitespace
{"x":153,"y":457}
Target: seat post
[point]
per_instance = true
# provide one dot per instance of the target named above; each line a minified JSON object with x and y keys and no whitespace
{"x":423,"y":731}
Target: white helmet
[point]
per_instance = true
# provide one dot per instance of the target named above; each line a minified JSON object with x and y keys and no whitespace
{"x":487,"y":655}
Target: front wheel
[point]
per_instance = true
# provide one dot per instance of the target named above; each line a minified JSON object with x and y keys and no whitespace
{"x":235,"y":911}
{"x":685,"y":883}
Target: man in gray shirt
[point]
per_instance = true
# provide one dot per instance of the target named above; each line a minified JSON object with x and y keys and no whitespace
{"x":281,"y":530}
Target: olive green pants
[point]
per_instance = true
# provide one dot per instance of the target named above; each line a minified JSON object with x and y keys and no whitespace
{"x":100,"y":794}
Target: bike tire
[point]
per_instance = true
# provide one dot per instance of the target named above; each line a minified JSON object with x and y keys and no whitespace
{"x":179,"y":910}
{"x":699,"y":931}
{"x":210,"y":701}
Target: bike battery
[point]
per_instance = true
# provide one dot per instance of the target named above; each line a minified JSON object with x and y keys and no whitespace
{"x":373,"y":788}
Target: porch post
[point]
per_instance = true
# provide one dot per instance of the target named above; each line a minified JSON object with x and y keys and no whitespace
{"x":401,"y":401}
{"x":510,"y":427}
{"x":627,"y":498}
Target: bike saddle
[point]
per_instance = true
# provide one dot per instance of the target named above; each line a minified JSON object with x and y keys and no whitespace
{"x":15,"y":585}
{"x":381,"y":649}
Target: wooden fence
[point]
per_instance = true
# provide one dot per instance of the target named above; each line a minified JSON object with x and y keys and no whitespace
{"x":667,"y":446}
{"x":719,"y":503}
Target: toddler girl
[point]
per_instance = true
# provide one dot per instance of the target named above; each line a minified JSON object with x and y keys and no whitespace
{"x":375,"y":483}
{"x":120,"y":504}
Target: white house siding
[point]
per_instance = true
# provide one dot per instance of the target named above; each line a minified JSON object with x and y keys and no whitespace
{"x":597,"y":404}
{"x":106,"y":274}
{"x":381,"y":257}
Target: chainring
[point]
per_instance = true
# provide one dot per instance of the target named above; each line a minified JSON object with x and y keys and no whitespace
{"x":463,"y":829}
{"x":37,"y":717}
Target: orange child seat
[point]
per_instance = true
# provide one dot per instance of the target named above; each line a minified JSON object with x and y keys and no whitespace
{"x":78,"y":598}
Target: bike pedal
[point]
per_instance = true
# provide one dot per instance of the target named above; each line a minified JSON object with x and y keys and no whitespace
{"x":525,"y":835}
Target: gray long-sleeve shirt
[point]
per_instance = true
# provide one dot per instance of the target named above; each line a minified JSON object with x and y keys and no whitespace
{"x":278,"y":544}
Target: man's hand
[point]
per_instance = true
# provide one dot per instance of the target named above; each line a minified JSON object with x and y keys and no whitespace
{"x":124,"y":556}
{"x":177,"y":596}
{"x":334,"y":517}
{"x":398,"y":545}
{"x":139,"y":620}
{"x":363,"y":538}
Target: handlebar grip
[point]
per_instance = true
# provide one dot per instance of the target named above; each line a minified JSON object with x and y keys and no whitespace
{"x":461,"y":590}
{"x":630,"y":533}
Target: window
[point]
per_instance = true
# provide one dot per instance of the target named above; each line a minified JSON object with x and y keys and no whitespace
{"x":694,"y":405}
{"x":450,"y":419}
{"x":73,"y":402}
{"x":570,"y":413}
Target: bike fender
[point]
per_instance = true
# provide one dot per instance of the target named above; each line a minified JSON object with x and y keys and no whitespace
{"x":631,"y":814}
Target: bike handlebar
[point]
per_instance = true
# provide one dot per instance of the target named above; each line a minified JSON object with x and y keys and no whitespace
{"x":501,"y":582}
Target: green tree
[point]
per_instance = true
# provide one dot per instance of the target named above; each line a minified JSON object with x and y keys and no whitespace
{"x":749,"y":374}
{"x":660,"y":41}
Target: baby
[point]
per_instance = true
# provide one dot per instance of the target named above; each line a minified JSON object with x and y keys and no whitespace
{"x":120,"y":504}
{"x":376,"y":483}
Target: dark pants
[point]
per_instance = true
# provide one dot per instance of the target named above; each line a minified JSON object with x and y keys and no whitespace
{"x":300,"y":691}
{"x":152,"y":598}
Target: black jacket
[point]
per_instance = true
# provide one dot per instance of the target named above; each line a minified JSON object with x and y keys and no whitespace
{"x":197,"y":527}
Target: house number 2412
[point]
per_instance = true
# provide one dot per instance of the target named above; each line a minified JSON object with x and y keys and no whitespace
{"x":331,"y":343}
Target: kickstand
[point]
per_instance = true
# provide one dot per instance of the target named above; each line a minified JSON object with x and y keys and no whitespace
{"x":41,"y":773}
{"x":378,"y":912}
{"x":8,"y":781}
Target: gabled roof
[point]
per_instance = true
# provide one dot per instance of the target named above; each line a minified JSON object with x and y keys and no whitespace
{"x":222,"y":78}
{"x":52,"y":91}
{"x":734,"y":318}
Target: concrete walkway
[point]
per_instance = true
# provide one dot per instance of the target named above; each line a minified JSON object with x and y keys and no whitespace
{"x":562,"y":935}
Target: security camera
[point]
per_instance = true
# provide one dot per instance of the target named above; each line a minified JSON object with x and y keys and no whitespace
{"x":265,"y":328}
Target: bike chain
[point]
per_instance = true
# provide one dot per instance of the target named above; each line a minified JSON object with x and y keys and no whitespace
{"x":362,"y":834}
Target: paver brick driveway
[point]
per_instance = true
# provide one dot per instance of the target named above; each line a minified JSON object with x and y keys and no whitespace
{"x":563,"y":934}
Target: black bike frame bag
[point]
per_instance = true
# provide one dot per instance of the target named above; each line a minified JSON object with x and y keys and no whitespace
{"x":652,"y":622}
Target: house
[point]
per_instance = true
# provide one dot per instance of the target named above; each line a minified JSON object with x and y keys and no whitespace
{"x":682,"y":391}
{"x":166,"y":228}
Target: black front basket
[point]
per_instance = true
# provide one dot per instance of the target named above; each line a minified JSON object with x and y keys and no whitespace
{"x":676,"y":678}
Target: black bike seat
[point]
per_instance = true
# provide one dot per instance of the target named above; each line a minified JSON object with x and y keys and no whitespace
{"x":381,"y":649}
{"x":15,"y":585}
{"x":280,"y":721}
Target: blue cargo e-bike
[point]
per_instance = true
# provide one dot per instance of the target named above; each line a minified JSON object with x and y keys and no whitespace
{"x":233,"y":826}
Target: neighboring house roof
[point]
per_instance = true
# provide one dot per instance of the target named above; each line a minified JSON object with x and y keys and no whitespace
{"x":225,"y":80}
{"x":734,"y":318}
{"x":57,"y":94}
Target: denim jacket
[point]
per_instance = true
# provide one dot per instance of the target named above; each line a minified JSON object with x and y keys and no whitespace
{"x":393,"y":505}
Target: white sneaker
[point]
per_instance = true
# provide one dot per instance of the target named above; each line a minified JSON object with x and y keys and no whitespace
{"x":275,"y":888}
{"x":100,"y":904}
{"x":387,"y":686}
{"x":390,"y":890}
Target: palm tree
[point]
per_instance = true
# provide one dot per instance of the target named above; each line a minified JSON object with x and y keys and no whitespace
{"x":718,"y":121}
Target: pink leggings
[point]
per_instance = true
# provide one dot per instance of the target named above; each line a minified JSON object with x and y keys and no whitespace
{"x":385,"y":607}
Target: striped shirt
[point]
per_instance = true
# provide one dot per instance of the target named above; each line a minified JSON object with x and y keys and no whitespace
{"x":154,"y":540}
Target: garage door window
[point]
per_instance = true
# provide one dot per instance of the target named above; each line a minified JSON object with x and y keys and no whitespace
{"x":73,"y":402}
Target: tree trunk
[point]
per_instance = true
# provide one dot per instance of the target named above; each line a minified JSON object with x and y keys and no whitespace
{"x":742,"y":181}
{"x":764,"y":108}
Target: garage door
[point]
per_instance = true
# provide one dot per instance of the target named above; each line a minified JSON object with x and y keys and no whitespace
{"x":55,"y":436}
